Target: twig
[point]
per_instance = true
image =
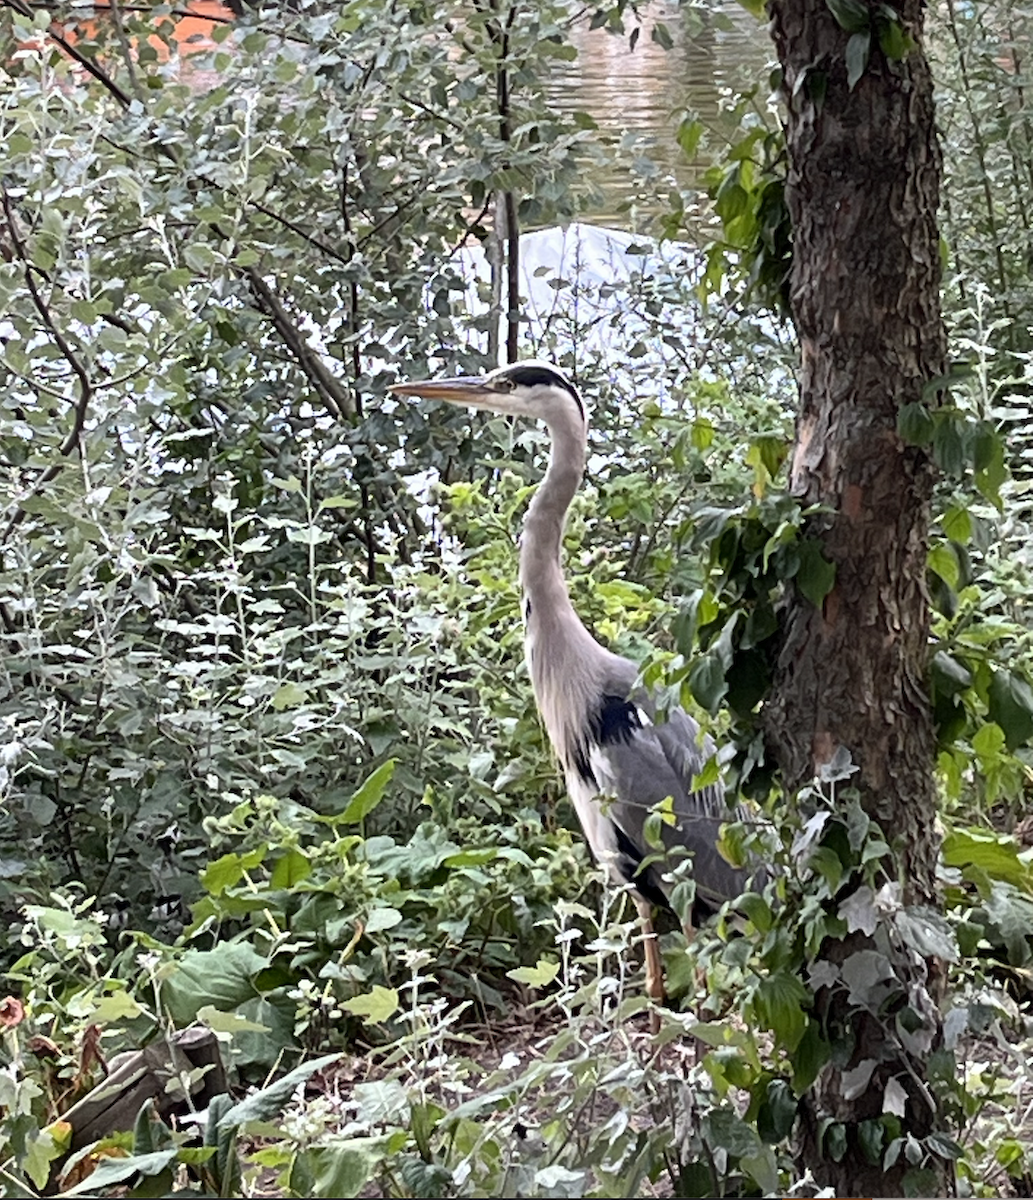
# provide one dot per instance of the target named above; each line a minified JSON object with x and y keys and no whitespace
{"x":81,"y":405}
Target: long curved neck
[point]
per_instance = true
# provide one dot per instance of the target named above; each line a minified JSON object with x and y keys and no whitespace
{"x":541,"y":571}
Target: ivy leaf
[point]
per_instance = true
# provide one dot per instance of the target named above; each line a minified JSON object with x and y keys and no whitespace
{"x":707,"y":681}
{"x":851,"y":15}
{"x":858,"y":48}
{"x":948,"y":445}
{"x":915,"y":424}
{"x":894,"y":1099}
{"x":815,"y":576}
{"x":779,"y":1002}
{"x":858,"y":910}
{"x":893,"y":41}
{"x":812,"y":1053}
{"x":856,"y":1080}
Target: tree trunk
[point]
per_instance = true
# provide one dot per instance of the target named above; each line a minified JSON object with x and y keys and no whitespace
{"x":862,"y":191}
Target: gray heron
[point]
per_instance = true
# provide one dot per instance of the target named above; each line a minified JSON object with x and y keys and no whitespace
{"x":619,"y":759}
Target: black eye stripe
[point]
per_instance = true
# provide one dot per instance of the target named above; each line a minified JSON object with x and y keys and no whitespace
{"x":530,"y":376}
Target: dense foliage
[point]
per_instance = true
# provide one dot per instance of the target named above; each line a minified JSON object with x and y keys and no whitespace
{"x":269,"y":756}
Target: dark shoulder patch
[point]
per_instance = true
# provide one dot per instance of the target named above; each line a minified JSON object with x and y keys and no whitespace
{"x":530,"y":376}
{"x":583,"y":766}
{"x":629,"y":863}
{"x":615,"y":720}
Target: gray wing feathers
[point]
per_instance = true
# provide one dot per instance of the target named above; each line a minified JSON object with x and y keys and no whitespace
{"x":657,"y":761}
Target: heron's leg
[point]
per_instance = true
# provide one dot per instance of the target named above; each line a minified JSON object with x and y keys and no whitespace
{"x":651,"y":952}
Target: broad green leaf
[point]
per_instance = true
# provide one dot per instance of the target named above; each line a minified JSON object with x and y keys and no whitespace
{"x":370,"y":794}
{"x":270,"y":1101}
{"x":894,"y":42}
{"x":816,"y":576}
{"x":811,"y":1055}
{"x":288,"y":695}
{"x":779,"y":1002}
{"x":111,"y":1171}
{"x":915,"y":424}
{"x":944,"y":562}
{"x":290,"y":869}
{"x":1010,"y":704}
{"x":332,"y":1168}
{"x":996,"y":854}
{"x":957,"y":524}
{"x":707,"y":681}
{"x":228,"y":1022}
{"x":948,"y":444}
{"x":537,"y":977}
{"x":851,"y":15}
{"x":383,"y":918}
{"x":375,"y":1006}
{"x":472,"y":858}
{"x":221,"y":977}
{"x":116,"y":1006}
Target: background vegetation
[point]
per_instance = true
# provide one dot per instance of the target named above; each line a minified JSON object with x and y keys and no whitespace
{"x":268,"y":755}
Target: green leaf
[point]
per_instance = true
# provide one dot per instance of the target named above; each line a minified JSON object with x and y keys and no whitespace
{"x":1010,"y":705}
{"x":948,"y":444}
{"x":811,"y":1055}
{"x":228,"y":1022}
{"x":370,"y":794}
{"x":290,"y":869}
{"x":858,"y":48}
{"x":815,"y":576}
{"x":332,"y":1169}
{"x":990,"y":477}
{"x":779,"y":1003}
{"x":662,"y":36}
{"x":117,"y":1006}
{"x":270,"y":1101}
{"x":472,"y":858}
{"x":689,"y":135}
{"x":288,"y":695}
{"x":707,"y":681}
{"x":851,"y":15}
{"x":110,"y":1171}
{"x":221,"y":977}
{"x":949,"y":675}
{"x":374,"y":1007}
{"x":915,"y":424}
{"x":383,"y":918}
{"x":995,"y":854}
{"x":536,"y":977}
{"x":893,"y":41}
{"x":957,"y":524}
{"x":777,"y":1113}
{"x":944,"y":562}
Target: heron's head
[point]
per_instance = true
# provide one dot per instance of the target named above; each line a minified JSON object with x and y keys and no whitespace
{"x":530,"y":388}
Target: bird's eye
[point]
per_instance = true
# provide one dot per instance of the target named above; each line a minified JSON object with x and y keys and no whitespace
{"x":504,"y":384}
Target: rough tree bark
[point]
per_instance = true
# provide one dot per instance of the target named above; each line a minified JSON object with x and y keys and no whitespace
{"x":862,"y":191}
